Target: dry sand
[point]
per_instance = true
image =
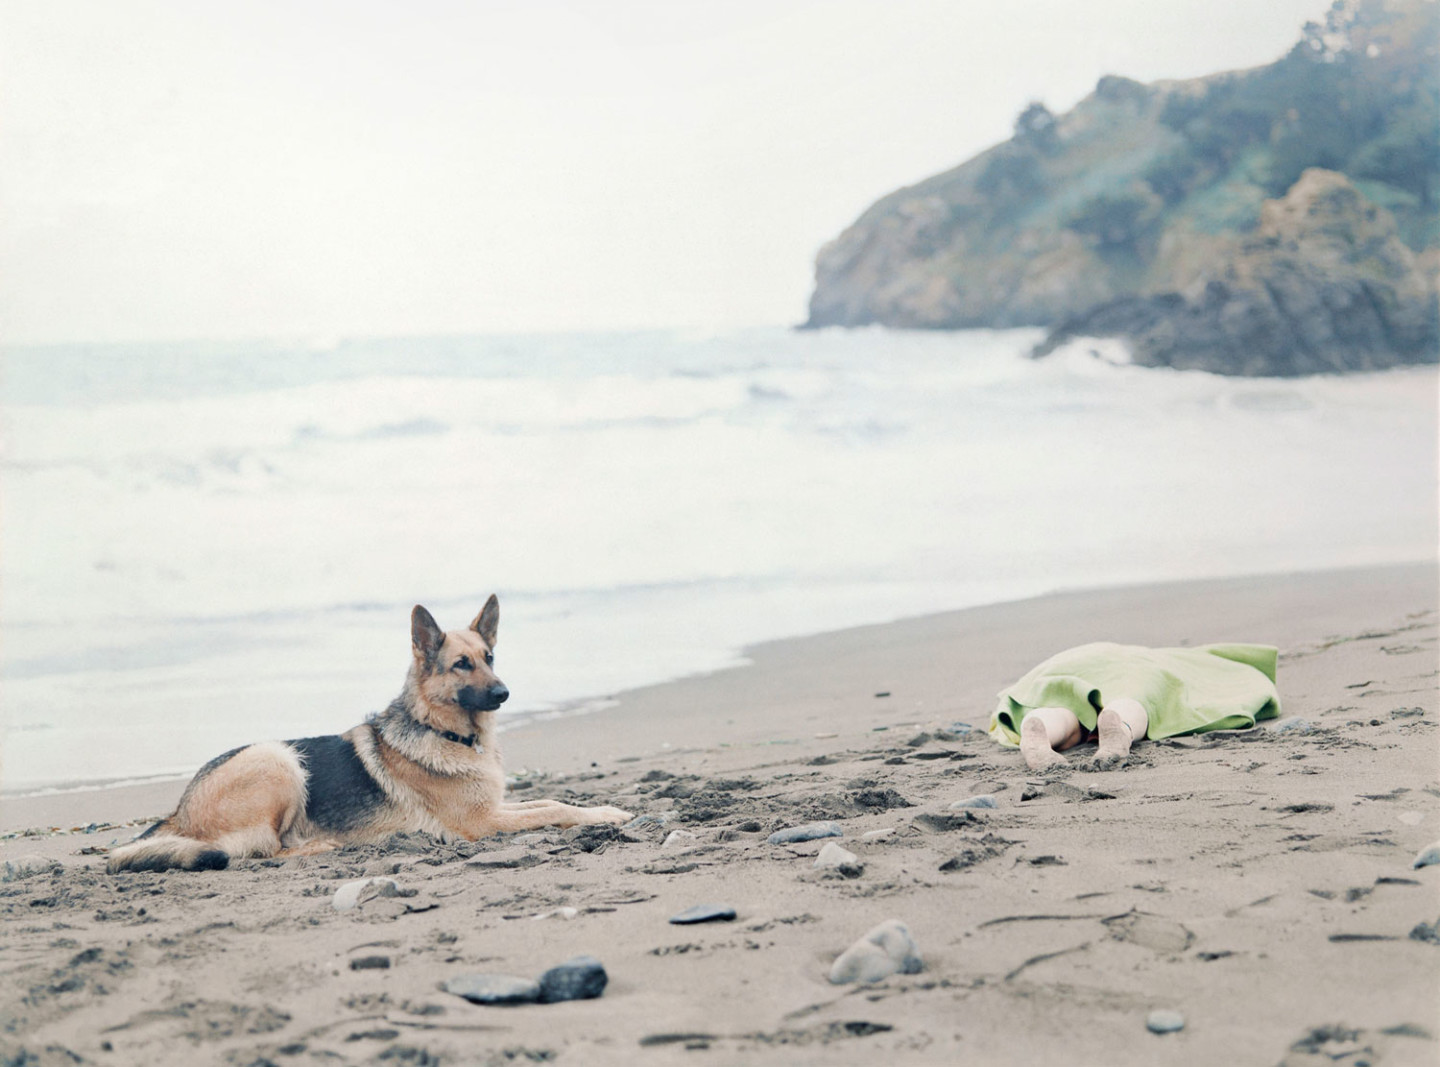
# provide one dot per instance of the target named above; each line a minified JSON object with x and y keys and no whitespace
{"x":1258,"y":882}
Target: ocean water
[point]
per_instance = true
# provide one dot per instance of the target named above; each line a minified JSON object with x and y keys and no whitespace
{"x":209,"y":544}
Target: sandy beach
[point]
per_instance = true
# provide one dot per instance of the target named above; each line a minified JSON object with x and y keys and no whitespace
{"x":1259,"y":883}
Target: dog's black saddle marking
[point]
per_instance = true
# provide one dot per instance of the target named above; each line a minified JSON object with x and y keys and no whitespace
{"x":342,"y":795}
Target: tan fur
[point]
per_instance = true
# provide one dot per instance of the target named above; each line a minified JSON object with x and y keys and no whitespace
{"x":254,"y":803}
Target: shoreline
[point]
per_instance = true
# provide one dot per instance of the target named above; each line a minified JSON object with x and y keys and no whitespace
{"x":1259,"y":883}
{"x":48,"y":808}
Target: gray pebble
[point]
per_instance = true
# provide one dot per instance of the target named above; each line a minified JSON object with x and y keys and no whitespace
{"x":370,"y":963}
{"x":1295,"y":725}
{"x":833,"y":855}
{"x":352,"y":894}
{"x":953,"y":732}
{"x":984,"y":800}
{"x":1427,"y":856}
{"x":886,"y":949}
{"x":494,"y":989}
{"x":811,"y":831}
{"x":1162,"y":1021}
{"x":581,"y":978}
{"x":704,"y":913}
{"x":680,"y":839}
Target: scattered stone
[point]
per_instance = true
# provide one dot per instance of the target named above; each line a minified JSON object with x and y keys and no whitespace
{"x":28,"y":865}
{"x":1163,"y":1021}
{"x":886,"y":949}
{"x":1408,"y":713}
{"x":353,"y":894}
{"x":650,"y":1040}
{"x":370,"y":963}
{"x":558,"y":913}
{"x":826,"y":736}
{"x":494,"y":988}
{"x":1427,"y":856}
{"x":1426,"y":932}
{"x":704,"y":913}
{"x":919,"y":739}
{"x":953,"y":732}
{"x":504,"y":859}
{"x":984,"y":800}
{"x":1295,"y":725}
{"x":834,"y":857}
{"x":811,"y":831}
{"x":882,"y":694}
{"x":580,"y":978}
{"x":680,"y":839}
{"x":536,"y":839}
{"x":876,"y":835}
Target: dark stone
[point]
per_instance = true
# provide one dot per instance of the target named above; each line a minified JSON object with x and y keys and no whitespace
{"x":704,"y":913}
{"x":370,"y":963}
{"x":580,"y":978}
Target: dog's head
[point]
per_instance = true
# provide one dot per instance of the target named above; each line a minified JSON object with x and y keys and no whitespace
{"x":455,"y":670}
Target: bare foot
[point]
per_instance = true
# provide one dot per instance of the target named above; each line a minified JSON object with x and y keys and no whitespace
{"x":1035,"y":746}
{"x":1114,"y":734}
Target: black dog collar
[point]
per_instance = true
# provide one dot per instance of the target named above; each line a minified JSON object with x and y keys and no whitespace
{"x":469,"y":740}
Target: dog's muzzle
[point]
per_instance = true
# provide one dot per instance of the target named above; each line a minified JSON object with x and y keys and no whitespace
{"x":472,"y":698}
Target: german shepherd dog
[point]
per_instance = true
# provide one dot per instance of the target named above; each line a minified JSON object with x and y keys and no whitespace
{"x":427,"y":762}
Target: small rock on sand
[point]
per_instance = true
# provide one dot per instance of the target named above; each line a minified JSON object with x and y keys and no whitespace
{"x":27,"y":865}
{"x":580,"y":978}
{"x":558,"y":913}
{"x":494,"y":988}
{"x":984,"y":800}
{"x":811,"y":831}
{"x":704,"y":913}
{"x":352,"y":894}
{"x":886,"y":949}
{"x":505,"y":858}
{"x":1427,"y":856}
{"x":680,"y":839}
{"x":834,"y":856}
{"x":1163,"y":1021}
{"x":876,"y":835}
{"x":1296,"y":725}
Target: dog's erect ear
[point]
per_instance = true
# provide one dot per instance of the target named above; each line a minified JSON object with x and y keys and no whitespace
{"x":425,"y":635}
{"x":488,"y":621}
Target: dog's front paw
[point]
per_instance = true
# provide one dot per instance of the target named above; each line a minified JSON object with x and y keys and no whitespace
{"x":607,"y":814}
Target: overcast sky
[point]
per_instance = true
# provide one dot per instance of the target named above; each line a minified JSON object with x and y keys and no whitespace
{"x":318,"y":169}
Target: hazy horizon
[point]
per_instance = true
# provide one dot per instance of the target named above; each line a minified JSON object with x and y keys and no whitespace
{"x":320,"y":170}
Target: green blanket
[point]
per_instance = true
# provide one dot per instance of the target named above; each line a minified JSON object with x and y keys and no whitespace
{"x":1184,"y":690}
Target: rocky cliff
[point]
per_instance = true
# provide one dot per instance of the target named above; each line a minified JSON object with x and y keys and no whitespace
{"x":1274,"y":221}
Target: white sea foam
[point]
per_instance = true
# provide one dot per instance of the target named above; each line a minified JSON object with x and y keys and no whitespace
{"x":206,"y":547}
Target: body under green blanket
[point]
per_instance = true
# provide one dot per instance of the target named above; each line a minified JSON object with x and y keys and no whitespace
{"x":1184,"y":690}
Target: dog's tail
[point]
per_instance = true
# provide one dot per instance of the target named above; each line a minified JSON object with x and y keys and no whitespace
{"x":161,"y":849}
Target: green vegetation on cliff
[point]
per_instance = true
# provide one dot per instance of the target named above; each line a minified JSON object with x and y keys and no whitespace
{"x":1144,"y":191}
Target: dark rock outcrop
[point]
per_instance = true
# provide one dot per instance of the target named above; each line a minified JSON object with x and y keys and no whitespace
{"x":1159,"y":213}
{"x":1324,"y":285}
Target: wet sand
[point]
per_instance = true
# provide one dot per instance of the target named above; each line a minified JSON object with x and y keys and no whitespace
{"x":1257,"y":882}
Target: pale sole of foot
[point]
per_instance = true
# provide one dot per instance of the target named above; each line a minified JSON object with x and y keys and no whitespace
{"x":1035,"y":746}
